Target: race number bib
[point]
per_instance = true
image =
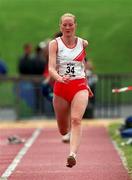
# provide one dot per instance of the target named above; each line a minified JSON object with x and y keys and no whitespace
{"x":70,"y":69}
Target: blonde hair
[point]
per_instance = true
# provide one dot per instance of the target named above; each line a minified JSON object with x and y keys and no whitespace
{"x":68,"y":15}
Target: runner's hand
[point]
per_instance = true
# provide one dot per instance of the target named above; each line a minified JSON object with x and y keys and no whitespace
{"x":64,"y":79}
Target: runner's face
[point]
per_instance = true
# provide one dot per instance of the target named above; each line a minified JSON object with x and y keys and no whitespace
{"x":68,"y":26}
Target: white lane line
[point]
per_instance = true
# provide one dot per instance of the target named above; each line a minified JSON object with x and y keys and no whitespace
{"x":20,"y":154}
{"x":121,"y":155}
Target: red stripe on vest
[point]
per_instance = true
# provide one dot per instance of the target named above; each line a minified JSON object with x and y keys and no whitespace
{"x":81,"y":56}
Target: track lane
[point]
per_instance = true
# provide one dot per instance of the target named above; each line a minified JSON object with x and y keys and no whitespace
{"x":97,"y":158}
{"x":9,"y":151}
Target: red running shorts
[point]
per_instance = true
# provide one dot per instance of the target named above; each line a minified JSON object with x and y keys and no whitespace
{"x":68,"y":90}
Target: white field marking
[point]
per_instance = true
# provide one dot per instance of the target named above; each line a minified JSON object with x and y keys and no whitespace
{"x":121,"y":155}
{"x":20,"y":154}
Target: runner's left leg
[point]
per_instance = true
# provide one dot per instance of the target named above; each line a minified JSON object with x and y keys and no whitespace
{"x":78,"y":107}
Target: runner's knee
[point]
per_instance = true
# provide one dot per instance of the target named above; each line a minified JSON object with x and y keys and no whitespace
{"x":75,"y":121}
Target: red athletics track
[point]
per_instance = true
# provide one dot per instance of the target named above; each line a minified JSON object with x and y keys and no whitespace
{"x":8,"y":151}
{"x":46,"y":158}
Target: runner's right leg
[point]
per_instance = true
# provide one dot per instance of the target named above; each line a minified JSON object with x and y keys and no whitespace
{"x":62,"y":112}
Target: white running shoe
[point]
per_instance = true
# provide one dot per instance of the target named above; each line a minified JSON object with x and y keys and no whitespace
{"x":66,"y":138}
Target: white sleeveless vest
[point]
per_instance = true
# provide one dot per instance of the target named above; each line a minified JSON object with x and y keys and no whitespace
{"x":70,"y":61}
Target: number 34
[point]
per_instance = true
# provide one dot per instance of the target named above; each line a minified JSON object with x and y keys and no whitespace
{"x":70,"y":69}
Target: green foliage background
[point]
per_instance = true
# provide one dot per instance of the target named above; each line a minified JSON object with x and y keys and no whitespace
{"x":106,"y":24}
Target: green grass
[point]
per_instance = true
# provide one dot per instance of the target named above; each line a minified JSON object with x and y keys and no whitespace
{"x":127,"y":149}
{"x":105,"y":23}
{"x":7,"y":94}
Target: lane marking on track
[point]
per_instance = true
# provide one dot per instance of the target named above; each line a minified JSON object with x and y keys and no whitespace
{"x":121,"y":155}
{"x":21,"y":153}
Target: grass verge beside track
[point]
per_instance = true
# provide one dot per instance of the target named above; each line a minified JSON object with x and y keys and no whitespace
{"x":126,"y":149}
